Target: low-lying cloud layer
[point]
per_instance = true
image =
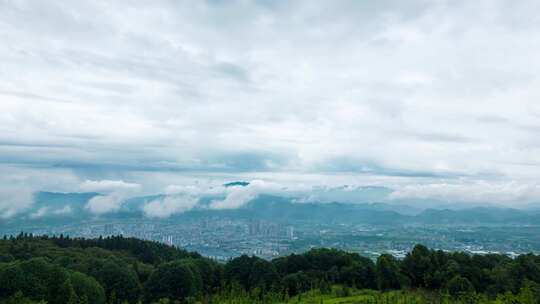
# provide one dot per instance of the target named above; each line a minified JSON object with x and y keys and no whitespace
{"x":238,"y":196}
{"x":431,"y":98}
{"x":169,"y":205}
{"x":507,"y":193}
{"x":112,"y":193}
{"x":180,"y":199}
{"x":215,"y":195}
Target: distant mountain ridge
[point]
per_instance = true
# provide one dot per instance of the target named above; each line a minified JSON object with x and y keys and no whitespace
{"x":72,"y":206}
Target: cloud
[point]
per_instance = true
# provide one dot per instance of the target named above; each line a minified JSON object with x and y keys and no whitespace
{"x":182,"y":198}
{"x":114,"y":193}
{"x":238,"y":196}
{"x":63,"y":211}
{"x":102,"y":204}
{"x":45,"y":211}
{"x":518,"y":194}
{"x":345,"y":194}
{"x":109,"y":186}
{"x":19,"y":184}
{"x":186,"y":190}
{"x":249,"y":87}
{"x":233,"y":195}
{"x":14,"y":200}
{"x":41,"y":212}
{"x":169,"y":205}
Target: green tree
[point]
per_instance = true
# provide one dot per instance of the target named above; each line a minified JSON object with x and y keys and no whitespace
{"x":56,"y":278}
{"x":18,"y":298}
{"x":529,"y":293}
{"x":388,"y":275}
{"x":67,"y":294}
{"x":417,"y":264}
{"x":39,"y":279}
{"x":459,"y":285}
{"x":238,"y":270}
{"x":88,"y":288}
{"x":263,"y":275}
{"x":171,"y":280}
{"x":11,"y":280}
{"x":121,"y":279}
{"x":360,"y":275}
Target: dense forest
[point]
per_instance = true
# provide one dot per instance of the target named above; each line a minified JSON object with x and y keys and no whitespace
{"x":59,"y":270}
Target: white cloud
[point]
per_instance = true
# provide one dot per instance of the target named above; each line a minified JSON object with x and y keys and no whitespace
{"x":235,"y":199}
{"x":114,"y":193}
{"x":44,"y":211}
{"x":238,"y":196}
{"x":41,"y":212}
{"x":14,"y":200}
{"x":19,"y":184}
{"x":109,"y":186}
{"x":391,"y":89}
{"x":182,"y":198}
{"x":345,"y":194}
{"x":64,"y":210}
{"x":102,"y":204}
{"x":196,"y":189}
{"x":169,"y":205}
{"x":473,"y":192}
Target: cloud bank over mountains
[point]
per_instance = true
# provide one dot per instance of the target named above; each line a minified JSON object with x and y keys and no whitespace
{"x":107,"y":197}
{"x":112,"y":194}
{"x":169,"y":205}
{"x":177,"y":199}
{"x":180,"y":199}
{"x":432,"y":99}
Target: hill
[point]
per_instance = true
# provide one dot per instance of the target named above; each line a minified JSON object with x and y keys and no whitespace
{"x":126,"y":270}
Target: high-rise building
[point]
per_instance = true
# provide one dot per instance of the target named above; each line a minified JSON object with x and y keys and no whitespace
{"x":108,"y":229}
{"x":168,"y":239}
{"x":255,"y":227}
{"x":290,"y":232}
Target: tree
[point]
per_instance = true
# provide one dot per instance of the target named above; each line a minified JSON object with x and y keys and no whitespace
{"x":87,"y":287}
{"x":529,"y":293}
{"x":263,"y":274}
{"x":67,"y":294}
{"x":388,"y":276}
{"x":211,"y":274}
{"x":360,"y":275}
{"x":324,"y":287}
{"x":459,"y":285}
{"x":18,"y":298}
{"x":238,"y":270}
{"x":11,"y":280}
{"x":122,"y":280}
{"x":170,"y":280}
{"x":56,"y":277}
{"x":291,"y":264}
{"x":417,"y":264}
{"x":295,"y":283}
{"x":39,"y":274}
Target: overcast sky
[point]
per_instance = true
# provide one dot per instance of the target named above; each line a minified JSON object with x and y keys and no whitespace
{"x":432,"y":98}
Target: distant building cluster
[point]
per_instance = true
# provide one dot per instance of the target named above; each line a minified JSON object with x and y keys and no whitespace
{"x":223,"y":238}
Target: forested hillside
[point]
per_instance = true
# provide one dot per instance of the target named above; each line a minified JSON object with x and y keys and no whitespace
{"x":60,"y":270}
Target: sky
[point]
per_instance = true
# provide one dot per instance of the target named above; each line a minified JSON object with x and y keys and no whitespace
{"x":432,"y":99}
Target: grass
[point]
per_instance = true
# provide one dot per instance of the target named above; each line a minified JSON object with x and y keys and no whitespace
{"x":337,"y":296}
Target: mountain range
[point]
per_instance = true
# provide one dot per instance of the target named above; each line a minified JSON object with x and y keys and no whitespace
{"x":68,"y":207}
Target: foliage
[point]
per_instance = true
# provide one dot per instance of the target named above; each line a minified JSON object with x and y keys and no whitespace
{"x":117,"y":270}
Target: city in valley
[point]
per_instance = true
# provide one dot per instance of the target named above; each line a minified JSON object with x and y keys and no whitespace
{"x":224,"y":238}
